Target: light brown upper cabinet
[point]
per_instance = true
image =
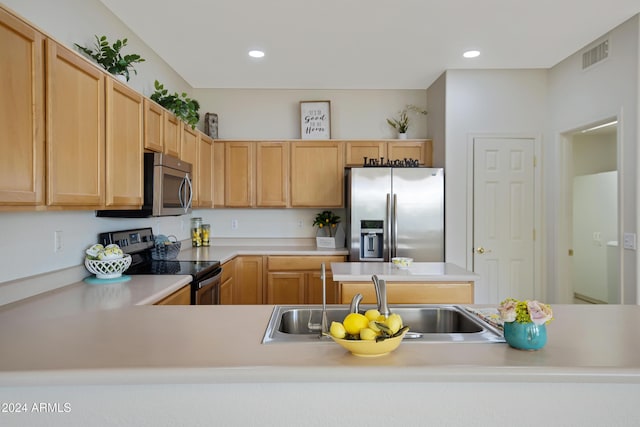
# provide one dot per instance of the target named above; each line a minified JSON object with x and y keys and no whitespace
{"x":256,"y":174}
{"x":153,"y":126}
{"x":421,"y":150}
{"x":75,"y":129}
{"x":205,"y":171}
{"x":317,"y":173}
{"x":172,"y":134}
{"x":189,"y":154}
{"x":218,"y":174}
{"x":21,"y":114}
{"x":124,"y":133}
{"x":272,"y":174}
{"x":239,"y":167}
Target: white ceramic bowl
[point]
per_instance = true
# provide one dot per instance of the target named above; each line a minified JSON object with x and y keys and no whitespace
{"x":402,"y":262}
{"x":108,"y":269}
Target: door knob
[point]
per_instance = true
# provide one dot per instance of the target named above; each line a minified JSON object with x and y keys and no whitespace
{"x":482,"y":250}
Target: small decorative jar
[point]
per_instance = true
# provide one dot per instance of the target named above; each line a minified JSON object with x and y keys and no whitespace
{"x":196,"y":232}
{"x":206,"y":232}
{"x":525,"y":336}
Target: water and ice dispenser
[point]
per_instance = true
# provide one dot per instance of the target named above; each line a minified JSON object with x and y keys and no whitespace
{"x":371,"y":240}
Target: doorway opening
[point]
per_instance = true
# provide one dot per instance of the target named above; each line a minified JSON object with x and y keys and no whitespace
{"x":592,"y":204}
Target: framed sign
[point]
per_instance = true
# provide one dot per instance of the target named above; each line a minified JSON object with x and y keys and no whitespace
{"x":211,"y":125}
{"x":315,"y":119}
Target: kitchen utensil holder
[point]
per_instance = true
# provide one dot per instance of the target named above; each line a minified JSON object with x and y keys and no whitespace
{"x":163,"y":251}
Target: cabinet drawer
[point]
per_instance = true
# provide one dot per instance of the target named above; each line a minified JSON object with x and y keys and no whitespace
{"x":411,"y":293}
{"x":289,"y":263}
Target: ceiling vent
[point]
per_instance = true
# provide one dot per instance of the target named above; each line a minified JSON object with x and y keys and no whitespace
{"x":596,"y":54}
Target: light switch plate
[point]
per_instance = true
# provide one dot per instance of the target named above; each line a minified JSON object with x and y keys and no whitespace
{"x":629,"y":241}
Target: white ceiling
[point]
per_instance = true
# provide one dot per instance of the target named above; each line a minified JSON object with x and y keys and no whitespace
{"x":361,"y":44}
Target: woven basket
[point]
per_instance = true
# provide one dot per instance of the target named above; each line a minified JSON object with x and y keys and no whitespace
{"x":163,"y":251}
{"x":108,"y":269}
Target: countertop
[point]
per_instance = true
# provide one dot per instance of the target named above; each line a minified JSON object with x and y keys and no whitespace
{"x":417,"y":272}
{"x":224,"y":253}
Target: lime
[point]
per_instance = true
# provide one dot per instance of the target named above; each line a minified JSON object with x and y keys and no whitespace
{"x":354,"y":322}
{"x":337,"y":330}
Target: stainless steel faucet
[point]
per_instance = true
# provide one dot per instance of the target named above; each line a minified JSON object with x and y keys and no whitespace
{"x":381,"y":295}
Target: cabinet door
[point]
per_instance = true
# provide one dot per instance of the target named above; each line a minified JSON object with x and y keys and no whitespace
{"x":153,"y":126}
{"x":189,"y":153}
{"x":226,"y":292}
{"x":75,"y":130}
{"x":411,"y":292}
{"x":205,"y":171}
{"x":124,"y":134}
{"x":21,"y":113}
{"x":357,"y":151}
{"x":218,"y":174}
{"x":314,"y":288}
{"x":317,"y":173}
{"x":286,"y":288}
{"x":420,"y":150}
{"x":238,"y":174}
{"x":248,"y":280}
{"x":179,"y":297}
{"x":272,"y":174}
{"x":172,"y":134}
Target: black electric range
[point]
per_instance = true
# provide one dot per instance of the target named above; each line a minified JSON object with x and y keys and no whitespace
{"x":139,"y":242}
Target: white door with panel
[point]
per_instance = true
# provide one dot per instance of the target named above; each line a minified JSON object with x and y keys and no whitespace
{"x":504,"y":216}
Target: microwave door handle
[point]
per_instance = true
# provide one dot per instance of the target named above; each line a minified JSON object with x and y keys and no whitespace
{"x":181,"y":192}
{"x":188,"y":203}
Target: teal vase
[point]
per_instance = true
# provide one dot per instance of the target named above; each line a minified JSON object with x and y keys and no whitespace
{"x":525,"y":336}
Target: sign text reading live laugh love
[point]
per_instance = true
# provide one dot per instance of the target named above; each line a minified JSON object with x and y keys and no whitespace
{"x":386,"y":163}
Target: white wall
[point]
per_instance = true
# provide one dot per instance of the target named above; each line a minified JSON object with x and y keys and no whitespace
{"x":275,"y":114}
{"x":577,"y":99}
{"x":27,"y":247}
{"x":510,"y":102}
{"x":436,"y":119}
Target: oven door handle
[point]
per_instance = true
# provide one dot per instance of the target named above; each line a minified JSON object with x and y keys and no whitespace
{"x":209,"y":281}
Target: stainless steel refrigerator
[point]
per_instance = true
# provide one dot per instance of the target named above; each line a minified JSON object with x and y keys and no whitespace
{"x":395,"y":212}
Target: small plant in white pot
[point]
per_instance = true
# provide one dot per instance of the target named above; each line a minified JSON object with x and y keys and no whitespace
{"x":401,"y":124}
{"x":110,"y":58}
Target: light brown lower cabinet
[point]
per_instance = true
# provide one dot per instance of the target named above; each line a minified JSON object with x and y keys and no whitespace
{"x":298,"y":279}
{"x":410,"y":292}
{"x":226,"y":282}
{"x":180,"y":297}
{"x":247,"y":284}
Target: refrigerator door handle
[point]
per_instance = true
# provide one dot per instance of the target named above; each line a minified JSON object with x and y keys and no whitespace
{"x":394,"y":250}
{"x":388,"y":242}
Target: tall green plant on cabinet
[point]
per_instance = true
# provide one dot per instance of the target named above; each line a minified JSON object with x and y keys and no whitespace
{"x":110,"y":58}
{"x":180,"y":104}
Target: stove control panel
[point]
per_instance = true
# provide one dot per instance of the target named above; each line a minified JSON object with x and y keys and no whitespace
{"x":130,"y":241}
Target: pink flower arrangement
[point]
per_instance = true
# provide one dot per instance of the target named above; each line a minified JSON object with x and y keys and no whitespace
{"x":513,"y":310}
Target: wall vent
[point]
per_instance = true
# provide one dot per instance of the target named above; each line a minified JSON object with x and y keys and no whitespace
{"x":596,"y":54}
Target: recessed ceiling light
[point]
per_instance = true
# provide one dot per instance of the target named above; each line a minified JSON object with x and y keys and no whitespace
{"x":471,"y":53}
{"x":256,"y":53}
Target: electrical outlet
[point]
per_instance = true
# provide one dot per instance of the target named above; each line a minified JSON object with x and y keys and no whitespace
{"x":300,"y":223}
{"x":234,"y":224}
{"x":57,"y":241}
{"x":629,"y":241}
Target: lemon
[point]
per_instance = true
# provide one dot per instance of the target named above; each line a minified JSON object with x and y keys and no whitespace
{"x":372,"y":314}
{"x":367,"y":334}
{"x":381,"y":318}
{"x":394,"y":323}
{"x":337,"y":330}
{"x":398,"y":317}
{"x":354,"y":322}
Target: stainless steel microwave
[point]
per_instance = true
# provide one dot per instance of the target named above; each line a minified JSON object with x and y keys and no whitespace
{"x":168,"y":189}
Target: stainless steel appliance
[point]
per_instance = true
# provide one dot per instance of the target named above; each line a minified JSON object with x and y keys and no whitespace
{"x":395,"y":212}
{"x":205,"y":285}
{"x":168,"y":189}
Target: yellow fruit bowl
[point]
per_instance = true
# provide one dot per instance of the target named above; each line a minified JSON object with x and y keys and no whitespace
{"x":371,"y":348}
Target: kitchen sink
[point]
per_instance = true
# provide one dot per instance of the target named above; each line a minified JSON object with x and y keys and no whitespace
{"x":427,"y":323}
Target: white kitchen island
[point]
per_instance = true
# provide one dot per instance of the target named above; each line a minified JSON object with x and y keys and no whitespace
{"x":206,"y":365}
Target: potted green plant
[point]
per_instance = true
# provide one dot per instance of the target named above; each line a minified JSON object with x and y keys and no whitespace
{"x":401,"y":124}
{"x":330,"y":233}
{"x":180,"y":104}
{"x":110,"y":58}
